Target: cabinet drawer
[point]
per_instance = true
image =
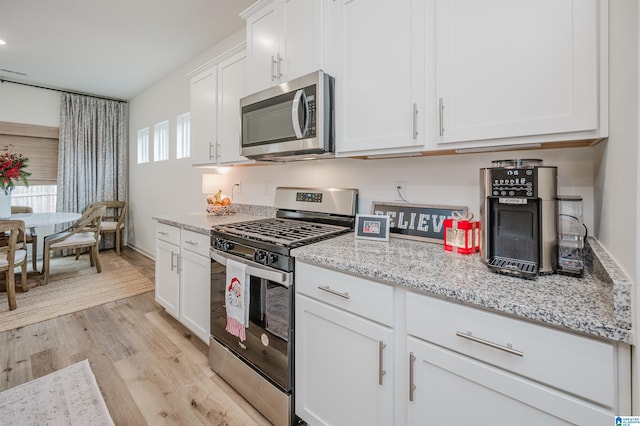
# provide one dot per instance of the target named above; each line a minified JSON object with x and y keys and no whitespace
{"x":362,"y":297}
{"x":195,"y":242}
{"x":168,"y":233}
{"x":579,"y":365}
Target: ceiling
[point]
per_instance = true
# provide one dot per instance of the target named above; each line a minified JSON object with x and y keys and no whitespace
{"x":108,"y":48}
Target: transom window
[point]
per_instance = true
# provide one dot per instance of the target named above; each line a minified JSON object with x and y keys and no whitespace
{"x":161,"y":141}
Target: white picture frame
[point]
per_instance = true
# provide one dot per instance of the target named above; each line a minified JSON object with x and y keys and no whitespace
{"x":372,"y":227}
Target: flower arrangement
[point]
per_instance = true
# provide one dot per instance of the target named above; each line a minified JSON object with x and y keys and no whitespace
{"x":12,"y":168}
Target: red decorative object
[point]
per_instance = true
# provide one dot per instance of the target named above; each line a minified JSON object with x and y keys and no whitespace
{"x":462,"y":234}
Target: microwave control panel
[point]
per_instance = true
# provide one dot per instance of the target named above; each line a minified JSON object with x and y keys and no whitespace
{"x":310,"y":93}
{"x":513,"y":182}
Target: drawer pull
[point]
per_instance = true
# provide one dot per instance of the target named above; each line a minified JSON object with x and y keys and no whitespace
{"x":381,"y":370}
{"x":412,"y":386}
{"x":193,"y":243}
{"x":328,"y":289}
{"x":507,"y":348}
{"x":163,"y":233}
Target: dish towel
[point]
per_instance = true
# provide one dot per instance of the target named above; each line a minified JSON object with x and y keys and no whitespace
{"x":236,"y":297}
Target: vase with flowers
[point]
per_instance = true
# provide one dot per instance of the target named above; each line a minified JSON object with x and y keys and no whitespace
{"x":12,"y":169}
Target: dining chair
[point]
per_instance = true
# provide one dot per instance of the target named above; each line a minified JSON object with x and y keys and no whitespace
{"x":30,"y":235}
{"x":85,"y":232}
{"x":112,"y":221}
{"x":12,"y":255}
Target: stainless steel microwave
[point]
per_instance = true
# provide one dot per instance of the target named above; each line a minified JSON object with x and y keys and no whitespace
{"x":291,"y":121}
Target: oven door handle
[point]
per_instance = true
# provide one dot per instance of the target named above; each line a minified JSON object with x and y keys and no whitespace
{"x":255,"y":270}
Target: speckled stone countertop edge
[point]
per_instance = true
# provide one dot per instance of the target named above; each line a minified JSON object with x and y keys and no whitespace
{"x":588,"y":305}
{"x":606,"y":269}
{"x":201,"y":222}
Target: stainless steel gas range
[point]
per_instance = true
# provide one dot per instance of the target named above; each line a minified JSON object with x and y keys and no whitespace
{"x":252,"y":293}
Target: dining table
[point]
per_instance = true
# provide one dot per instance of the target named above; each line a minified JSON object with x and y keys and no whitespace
{"x":35,"y":220}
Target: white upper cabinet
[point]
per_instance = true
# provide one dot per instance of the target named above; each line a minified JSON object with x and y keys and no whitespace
{"x":285,"y":40}
{"x":204,"y":92}
{"x":231,"y":84}
{"x":517,"y":69}
{"x":380,"y":76}
{"x":216,"y":89}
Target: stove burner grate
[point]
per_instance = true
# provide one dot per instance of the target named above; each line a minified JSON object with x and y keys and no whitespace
{"x":285,"y":232}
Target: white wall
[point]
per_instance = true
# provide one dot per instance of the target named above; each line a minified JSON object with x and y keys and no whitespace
{"x":171,"y":186}
{"x":29,"y":105}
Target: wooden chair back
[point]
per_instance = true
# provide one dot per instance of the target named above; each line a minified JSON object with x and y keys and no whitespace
{"x":14,"y":232}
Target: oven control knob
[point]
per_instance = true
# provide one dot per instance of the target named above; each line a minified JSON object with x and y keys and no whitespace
{"x":224,"y":245}
{"x":271,"y":259}
{"x":260,"y":256}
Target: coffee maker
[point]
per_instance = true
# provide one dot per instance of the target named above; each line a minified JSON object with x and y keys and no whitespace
{"x":519,"y":217}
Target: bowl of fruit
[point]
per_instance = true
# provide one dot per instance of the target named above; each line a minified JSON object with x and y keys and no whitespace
{"x":218,"y":205}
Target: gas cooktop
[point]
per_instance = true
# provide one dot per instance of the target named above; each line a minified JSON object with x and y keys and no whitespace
{"x":283,"y":232}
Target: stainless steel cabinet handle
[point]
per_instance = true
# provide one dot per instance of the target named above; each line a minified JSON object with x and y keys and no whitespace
{"x":280,"y":73}
{"x":163,"y":233}
{"x":415,"y":121}
{"x":412,"y":386}
{"x":336,"y":292}
{"x":212,"y":149}
{"x":217,"y":151}
{"x":274,"y":63}
{"x":193,"y":243}
{"x":381,"y":371}
{"x":172,"y":265}
{"x":441,"y":109}
{"x":507,"y":348}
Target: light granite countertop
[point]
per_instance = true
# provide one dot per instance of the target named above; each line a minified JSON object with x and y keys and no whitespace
{"x":598,"y":305}
{"x":202,"y":222}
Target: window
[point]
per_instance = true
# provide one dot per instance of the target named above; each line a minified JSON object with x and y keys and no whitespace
{"x":41,"y":198}
{"x":143,"y":145}
{"x":161,"y":141}
{"x":183,"y":136}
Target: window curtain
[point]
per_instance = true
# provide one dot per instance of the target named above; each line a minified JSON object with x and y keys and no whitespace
{"x":92,"y":153}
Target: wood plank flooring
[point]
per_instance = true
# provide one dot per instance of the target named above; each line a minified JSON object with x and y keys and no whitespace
{"x":150,"y":369}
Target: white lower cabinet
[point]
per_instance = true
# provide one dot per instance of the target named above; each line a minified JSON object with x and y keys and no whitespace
{"x":344,"y":362}
{"x":451,"y":388}
{"x":195,"y":284}
{"x":370,"y":353}
{"x":167,"y":292}
{"x":468,"y":366}
{"x":183,"y":277}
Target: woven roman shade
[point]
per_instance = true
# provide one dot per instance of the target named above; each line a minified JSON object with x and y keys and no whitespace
{"x":39,"y":144}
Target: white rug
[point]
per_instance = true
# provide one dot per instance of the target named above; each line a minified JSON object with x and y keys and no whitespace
{"x":66,"y":397}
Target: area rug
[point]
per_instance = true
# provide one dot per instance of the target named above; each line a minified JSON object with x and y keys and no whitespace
{"x":66,"y":397}
{"x":73,"y":286}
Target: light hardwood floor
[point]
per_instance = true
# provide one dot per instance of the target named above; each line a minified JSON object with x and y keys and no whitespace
{"x":150,"y":369}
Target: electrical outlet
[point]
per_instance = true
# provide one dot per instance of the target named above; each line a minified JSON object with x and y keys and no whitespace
{"x":238,"y":187}
{"x":399,"y":191}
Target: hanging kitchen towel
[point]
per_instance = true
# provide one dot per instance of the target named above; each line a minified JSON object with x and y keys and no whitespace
{"x":236,"y":296}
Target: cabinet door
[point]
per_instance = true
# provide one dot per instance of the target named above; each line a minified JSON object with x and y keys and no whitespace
{"x":263,"y":42}
{"x":451,"y":388}
{"x":339,"y":358}
{"x":203,"y":116}
{"x":195,"y":291}
{"x":301,"y":41}
{"x":231,"y":87}
{"x":167,"y":277}
{"x":380,"y":76}
{"x":516,"y":68}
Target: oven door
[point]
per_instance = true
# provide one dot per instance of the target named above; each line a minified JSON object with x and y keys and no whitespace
{"x":268,"y":347}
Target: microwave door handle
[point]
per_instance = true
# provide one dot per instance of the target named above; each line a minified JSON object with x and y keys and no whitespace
{"x":300,"y":99}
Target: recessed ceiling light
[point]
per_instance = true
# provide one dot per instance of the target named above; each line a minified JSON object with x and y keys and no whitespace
{"x":2,"y":42}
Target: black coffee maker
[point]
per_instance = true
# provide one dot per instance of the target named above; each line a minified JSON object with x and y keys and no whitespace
{"x":519,"y":217}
